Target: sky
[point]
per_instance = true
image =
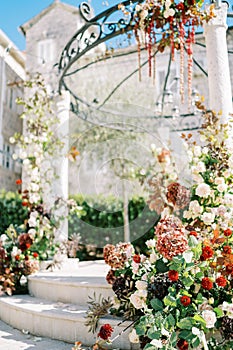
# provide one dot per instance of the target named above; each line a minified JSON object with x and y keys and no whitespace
{"x":14,"y":13}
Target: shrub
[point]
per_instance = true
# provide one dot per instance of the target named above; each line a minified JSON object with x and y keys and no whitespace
{"x":102,"y":220}
{"x":11,"y":210}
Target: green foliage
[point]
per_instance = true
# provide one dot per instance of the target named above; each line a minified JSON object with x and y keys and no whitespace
{"x":102,"y":221}
{"x":11,"y":210}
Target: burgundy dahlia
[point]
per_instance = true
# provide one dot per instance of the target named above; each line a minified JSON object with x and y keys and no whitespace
{"x":105,"y":331}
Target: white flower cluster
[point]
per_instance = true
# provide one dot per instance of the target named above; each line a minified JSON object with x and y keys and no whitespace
{"x":212,"y":200}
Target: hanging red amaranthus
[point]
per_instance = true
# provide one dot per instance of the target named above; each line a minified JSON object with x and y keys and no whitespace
{"x":168,"y":23}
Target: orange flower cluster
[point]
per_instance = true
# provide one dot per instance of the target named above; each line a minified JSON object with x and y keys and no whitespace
{"x":171,"y":239}
{"x":116,"y":256}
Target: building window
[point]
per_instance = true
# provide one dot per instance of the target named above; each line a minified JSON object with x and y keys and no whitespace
{"x":6,"y":157}
{"x":45,"y":51}
{"x":11,"y":99}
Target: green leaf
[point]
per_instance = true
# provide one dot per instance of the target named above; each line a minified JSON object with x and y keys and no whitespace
{"x":173,"y":339}
{"x":199,"y":319}
{"x":186,"y":334}
{"x":140,"y":329}
{"x":195,"y":342}
{"x":186,"y":323}
{"x":161,"y":266}
{"x":157,"y":304}
{"x":153,"y":334}
{"x":169,"y":300}
{"x":150,"y":347}
{"x":219,"y":312}
{"x":171,"y":321}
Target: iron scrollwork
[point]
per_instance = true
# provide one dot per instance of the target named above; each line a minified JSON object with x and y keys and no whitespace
{"x":108,"y":24}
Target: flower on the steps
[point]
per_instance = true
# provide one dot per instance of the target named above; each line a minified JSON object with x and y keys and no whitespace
{"x":105,"y":331}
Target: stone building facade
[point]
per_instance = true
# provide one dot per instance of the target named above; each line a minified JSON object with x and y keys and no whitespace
{"x":12,"y":72}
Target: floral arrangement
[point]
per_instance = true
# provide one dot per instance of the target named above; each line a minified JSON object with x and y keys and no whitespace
{"x":170,"y":23}
{"x":179,"y":294}
{"x":23,"y":246}
{"x":18,"y":259}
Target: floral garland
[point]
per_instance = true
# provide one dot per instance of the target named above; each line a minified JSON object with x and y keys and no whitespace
{"x":170,"y":23}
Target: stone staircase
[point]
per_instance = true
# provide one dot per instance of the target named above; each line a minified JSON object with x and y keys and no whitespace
{"x":57,"y":303}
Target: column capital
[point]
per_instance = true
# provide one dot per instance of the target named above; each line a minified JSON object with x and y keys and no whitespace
{"x":221,"y":16}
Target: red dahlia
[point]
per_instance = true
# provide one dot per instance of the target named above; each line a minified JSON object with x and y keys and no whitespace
{"x":226,"y":249}
{"x":185,"y":300}
{"x":193,"y":233}
{"x":207,"y":253}
{"x":182,"y":344}
{"x":227,"y":232}
{"x":206,"y":283}
{"x":229,"y":269}
{"x":173,"y":275}
{"x":35,"y":255}
{"x":221,"y":281}
{"x":105,"y":331}
{"x":137,"y":258}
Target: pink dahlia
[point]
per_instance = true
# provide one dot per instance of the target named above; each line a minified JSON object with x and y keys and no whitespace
{"x":171,"y":239}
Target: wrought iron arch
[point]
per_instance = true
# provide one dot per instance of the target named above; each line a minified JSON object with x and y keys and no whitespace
{"x":97,"y":30}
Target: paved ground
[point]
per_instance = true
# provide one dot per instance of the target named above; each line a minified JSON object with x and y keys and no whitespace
{"x":13,"y":339}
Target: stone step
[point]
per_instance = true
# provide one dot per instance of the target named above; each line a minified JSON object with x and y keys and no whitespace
{"x":57,"y":320}
{"x":75,"y":285}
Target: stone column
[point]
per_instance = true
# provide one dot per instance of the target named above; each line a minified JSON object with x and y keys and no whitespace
{"x":220,"y":95}
{"x":60,"y":184}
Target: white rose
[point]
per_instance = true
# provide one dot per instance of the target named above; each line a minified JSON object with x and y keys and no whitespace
{"x":208,"y":218}
{"x":203,"y":190}
{"x":210,"y":318}
{"x":195,"y":207}
{"x":222,"y":188}
{"x":219,"y":181}
{"x":221,"y":210}
{"x":141,"y":285}
{"x":227,"y":173}
{"x":199,"y":168}
{"x":138,"y":299}
{"x":133,"y":337}
{"x":228,"y":198}
{"x":197,"y":178}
